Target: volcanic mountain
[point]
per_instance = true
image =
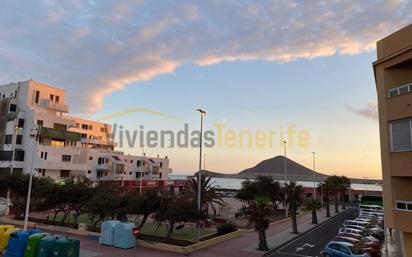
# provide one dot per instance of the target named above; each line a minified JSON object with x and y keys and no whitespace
{"x":275,"y":167}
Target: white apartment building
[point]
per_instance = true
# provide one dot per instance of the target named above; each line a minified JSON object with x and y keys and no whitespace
{"x":34,"y":122}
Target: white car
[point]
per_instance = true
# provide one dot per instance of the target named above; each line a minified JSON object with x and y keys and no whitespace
{"x":358,"y":232}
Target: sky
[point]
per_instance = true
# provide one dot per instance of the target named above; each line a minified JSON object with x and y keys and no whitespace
{"x":255,"y":67}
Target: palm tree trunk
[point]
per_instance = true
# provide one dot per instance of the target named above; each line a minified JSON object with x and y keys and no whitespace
{"x":327,"y":207}
{"x":336,"y":203}
{"x":294,"y":221}
{"x":263,"y":246}
{"x":314,"y":217}
{"x":343,"y":200}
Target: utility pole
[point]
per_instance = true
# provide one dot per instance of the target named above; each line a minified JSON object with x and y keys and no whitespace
{"x":199,"y":178}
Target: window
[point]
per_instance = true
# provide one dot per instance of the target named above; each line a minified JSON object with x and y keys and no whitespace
{"x":19,"y":155}
{"x":90,"y":158}
{"x":77,"y":125}
{"x":139,"y":163}
{"x":8,"y":139}
{"x":59,"y":126}
{"x":20,"y":123}
{"x":13,"y":107}
{"x":103,"y":129}
{"x":57,"y":143}
{"x":65,"y":173}
{"x":40,"y":123}
{"x":404,"y":89}
{"x":19,"y":139}
{"x":37,"y":96}
{"x":84,"y":135}
{"x":66,"y":158}
{"x":404,"y":205}
{"x":130,"y":173}
{"x":400,"y":135}
{"x":90,"y":127}
{"x":51,"y":97}
{"x":84,"y":126}
{"x":161,"y":164}
{"x":334,"y":247}
{"x":89,"y":172}
{"x":57,"y":99}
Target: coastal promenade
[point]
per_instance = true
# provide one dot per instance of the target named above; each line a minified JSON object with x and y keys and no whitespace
{"x":245,"y":245}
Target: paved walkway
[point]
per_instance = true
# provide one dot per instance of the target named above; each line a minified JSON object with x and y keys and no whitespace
{"x":242,"y":246}
{"x":393,"y":245}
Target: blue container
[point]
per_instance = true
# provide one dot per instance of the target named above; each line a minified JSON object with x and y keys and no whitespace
{"x":107,"y":232}
{"x":123,"y":235}
{"x":17,"y":244}
{"x":45,"y":248}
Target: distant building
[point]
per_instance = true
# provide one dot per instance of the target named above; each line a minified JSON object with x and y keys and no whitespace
{"x":393,"y":75}
{"x":34,"y":122}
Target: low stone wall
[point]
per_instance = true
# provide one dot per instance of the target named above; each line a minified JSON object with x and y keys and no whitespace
{"x":190,"y":248}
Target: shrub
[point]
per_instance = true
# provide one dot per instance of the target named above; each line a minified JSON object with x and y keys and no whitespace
{"x":226,"y":228}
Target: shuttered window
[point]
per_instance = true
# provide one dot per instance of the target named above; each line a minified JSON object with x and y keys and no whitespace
{"x":400,"y":135}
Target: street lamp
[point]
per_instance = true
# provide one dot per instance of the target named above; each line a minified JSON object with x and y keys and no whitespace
{"x":314,"y":177}
{"x":286,"y":178}
{"x":199,"y":178}
{"x":34,"y":132}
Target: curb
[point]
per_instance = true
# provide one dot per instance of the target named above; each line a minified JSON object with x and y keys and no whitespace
{"x":271,"y":251}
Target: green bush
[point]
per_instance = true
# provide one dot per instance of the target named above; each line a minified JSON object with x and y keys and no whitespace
{"x":226,"y":228}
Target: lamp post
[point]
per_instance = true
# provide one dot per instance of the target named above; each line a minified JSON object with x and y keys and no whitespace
{"x":141,"y":173}
{"x":286,"y":177}
{"x":34,"y":132}
{"x":366,"y":186}
{"x":314,"y":177}
{"x":199,"y":174}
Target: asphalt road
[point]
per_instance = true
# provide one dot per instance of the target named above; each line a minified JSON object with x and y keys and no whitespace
{"x":311,"y":243}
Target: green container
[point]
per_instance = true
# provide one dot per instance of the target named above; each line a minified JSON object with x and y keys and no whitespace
{"x":45,"y":248}
{"x":74,"y":247}
{"x":33,"y":244}
{"x":61,"y":247}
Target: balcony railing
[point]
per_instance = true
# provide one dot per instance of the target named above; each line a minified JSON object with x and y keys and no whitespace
{"x":47,"y":103}
{"x":59,"y":134}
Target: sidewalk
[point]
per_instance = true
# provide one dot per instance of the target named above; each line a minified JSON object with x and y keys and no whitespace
{"x":394,"y":245}
{"x":242,"y":246}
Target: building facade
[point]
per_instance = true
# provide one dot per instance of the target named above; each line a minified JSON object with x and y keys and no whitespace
{"x":393,"y":76}
{"x":34,"y":122}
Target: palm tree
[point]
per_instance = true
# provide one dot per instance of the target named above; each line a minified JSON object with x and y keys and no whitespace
{"x":259,"y":212}
{"x":335,"y":183}
{"x":326,"y":189}
{"x":314,"y":205}
{"x":293,"y":193}
{"x":344,"y":186}
{"x":209,"y":193}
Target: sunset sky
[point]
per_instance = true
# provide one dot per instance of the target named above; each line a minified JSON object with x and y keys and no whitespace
{"x":252,"y":66}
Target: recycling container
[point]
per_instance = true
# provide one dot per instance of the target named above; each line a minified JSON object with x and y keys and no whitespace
{"x":33,"y":244}
{"x":74,"y":247}
{"x":4,"y":239}
{"x":123,"y":235}
{"x":60,"y":247}
{"x":45,"y":248}
{"x":107,"y":232}
{"x":17,"y":244}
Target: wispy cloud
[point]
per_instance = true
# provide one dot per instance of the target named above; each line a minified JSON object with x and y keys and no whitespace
{"x":93,"y":48}
{"x":370,"y":111}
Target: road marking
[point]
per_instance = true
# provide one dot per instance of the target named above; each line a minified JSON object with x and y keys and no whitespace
{"x":308,"y":245}
{"x":298,"y":249}
{"x":316,"y":228}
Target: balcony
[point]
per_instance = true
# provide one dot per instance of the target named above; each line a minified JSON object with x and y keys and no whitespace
{"x":401,"y":164}
{"x":99,"y":142}
{"x":399,"y":107}
{"x":59,"y":134}
{"x":47,"y":103}
{"x":402,"y":220}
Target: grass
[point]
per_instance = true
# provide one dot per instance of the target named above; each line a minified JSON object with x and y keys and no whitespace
{"x":188,"y":232}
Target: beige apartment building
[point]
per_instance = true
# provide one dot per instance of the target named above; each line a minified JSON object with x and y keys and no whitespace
{"x":393,"y":76}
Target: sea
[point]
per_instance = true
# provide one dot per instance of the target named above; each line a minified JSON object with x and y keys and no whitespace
{"x":236,"y":183}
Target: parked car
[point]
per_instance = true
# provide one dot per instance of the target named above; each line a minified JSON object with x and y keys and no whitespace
{"x":358,"y":232}
{"x":365,"y":240}
{"x":342,"y":249}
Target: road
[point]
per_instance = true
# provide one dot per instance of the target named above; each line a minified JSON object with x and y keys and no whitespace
{"x":310,"y":244}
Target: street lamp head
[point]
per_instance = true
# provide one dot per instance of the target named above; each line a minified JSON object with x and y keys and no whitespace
{"x":202,"y":112}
